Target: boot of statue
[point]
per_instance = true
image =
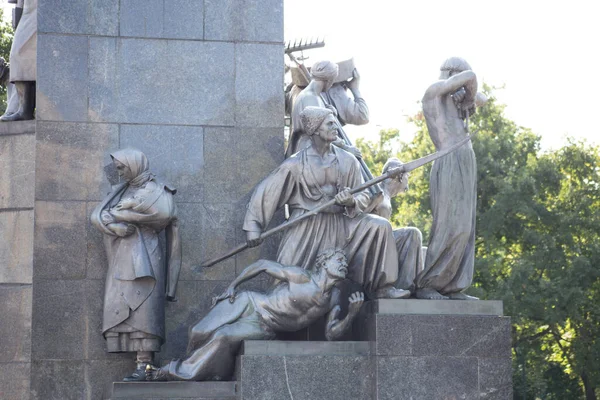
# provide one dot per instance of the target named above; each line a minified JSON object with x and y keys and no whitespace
{"x":26,"y":92}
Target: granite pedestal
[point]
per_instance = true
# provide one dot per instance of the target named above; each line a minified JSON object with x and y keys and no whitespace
{"x":197,"y":86}
{"x":275,"y":370}
{"x":428,"y":350}
{"x":17,"y":179}
{"x":408,"y":349}
{"x":173,"y":390}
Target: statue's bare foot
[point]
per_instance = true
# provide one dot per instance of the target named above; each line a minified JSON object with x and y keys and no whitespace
{"x":429,"y":294}
{"x":157,"y":374}
{"x":390,"y":292}
{"x":461,"y":296}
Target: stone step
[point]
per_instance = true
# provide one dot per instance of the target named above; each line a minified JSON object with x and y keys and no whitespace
{"x":174,"y":390}
{"x":435,"y":307}
{"x":302,"y":348}
{"x":315,"y":370}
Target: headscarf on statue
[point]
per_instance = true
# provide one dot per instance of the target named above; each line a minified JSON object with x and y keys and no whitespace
{"x":324,"y":71}
{"x":153,"y":209}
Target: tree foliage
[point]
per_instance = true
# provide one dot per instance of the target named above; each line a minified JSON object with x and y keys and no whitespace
{"x":537,"y":244}
{"x":6,"y":38}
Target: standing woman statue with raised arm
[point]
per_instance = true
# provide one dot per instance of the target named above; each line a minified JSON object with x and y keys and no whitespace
{"x":138,"y":282}
{"x":450,"y":256}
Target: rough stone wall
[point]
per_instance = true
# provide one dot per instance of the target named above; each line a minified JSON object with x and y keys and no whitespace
{"x":195,"y":84}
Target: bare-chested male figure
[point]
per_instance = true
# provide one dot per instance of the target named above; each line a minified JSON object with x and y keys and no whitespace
{"x":302,"y":297}
{"x":453,"y":185}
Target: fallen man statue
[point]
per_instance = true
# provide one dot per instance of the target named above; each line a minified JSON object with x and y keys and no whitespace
{"x":300,"y":299}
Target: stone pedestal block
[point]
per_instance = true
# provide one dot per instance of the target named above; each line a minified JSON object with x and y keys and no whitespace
{"x":278,"y":370}
{"x":408,"y":349}
{"x":173,"y":390}
{"x":428,"y":350}
{"x":17,"y":181}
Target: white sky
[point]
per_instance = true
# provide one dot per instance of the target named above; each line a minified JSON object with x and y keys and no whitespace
{"x":546,"y":53}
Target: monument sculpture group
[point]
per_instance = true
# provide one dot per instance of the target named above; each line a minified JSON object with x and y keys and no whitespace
{"x":327,"y":297}
{"x":351,"y":238}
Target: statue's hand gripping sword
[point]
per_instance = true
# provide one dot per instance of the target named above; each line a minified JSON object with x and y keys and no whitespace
{"x":392,"y":173}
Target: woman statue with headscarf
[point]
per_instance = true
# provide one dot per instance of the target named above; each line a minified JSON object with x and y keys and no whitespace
{"x":138,"y":281}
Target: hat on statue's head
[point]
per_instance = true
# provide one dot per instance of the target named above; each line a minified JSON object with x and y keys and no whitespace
{"x":312,"y":118}
{"x":324,"y":71}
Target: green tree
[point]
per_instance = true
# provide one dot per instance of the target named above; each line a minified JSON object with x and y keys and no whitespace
{"x":6,"y":38}
{"x":537,"y":244}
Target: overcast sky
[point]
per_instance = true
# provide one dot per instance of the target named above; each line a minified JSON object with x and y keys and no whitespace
{"x":545,"y":53}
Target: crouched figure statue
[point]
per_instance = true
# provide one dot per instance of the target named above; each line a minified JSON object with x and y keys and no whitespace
{"x":300,"y":298}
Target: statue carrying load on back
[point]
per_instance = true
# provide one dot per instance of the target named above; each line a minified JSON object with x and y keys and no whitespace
{"x":326,"y":90}
{"x":337,"y":229}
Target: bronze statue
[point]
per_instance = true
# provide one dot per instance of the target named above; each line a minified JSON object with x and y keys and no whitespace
{"x":351,"y":109}
{"x":12,"y":99}
{"x":323,"y":76}
{"x":23,"y":62}
{"x":138,"y":281}
{"x":309,"y":178}
{"x":450,"y":258}
{"x":409,"y":240}
{"x":301,"y":297}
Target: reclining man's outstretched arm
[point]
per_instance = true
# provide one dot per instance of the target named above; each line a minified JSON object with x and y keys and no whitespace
{"x":272,"y":268}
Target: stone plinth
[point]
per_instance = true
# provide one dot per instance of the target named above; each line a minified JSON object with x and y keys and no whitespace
{"x":428,"y":350}
{"x":173,"y":390}
{"x":435,"y":307}
{"x":197,"y":86}
{"x":17,"y":178}
{"x":409,"y":349}
{"x":304,"y":370}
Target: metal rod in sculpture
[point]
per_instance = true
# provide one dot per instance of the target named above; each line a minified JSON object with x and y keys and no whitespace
{"x":303,"y":44}
{"x":409,"y":166}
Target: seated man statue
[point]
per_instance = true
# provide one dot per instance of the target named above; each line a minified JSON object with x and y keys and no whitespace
{"x":313,"y":176}
{"x":301,"y":297}
{"x":409,"y":240}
